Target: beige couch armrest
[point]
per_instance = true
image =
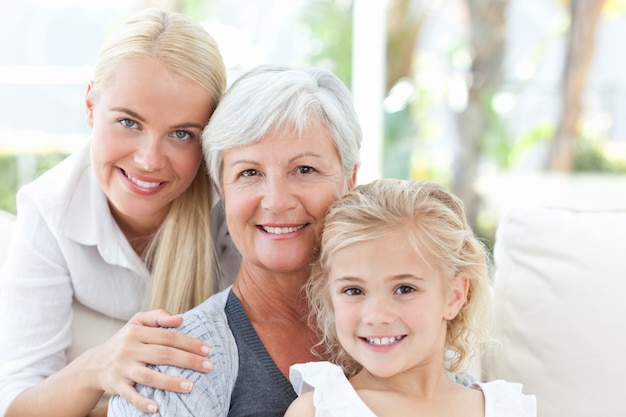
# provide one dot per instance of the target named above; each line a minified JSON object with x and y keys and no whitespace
{"x":560,"y":312}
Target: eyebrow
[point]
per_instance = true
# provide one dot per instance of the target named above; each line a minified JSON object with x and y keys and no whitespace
{"x":129,"y":112}
{"x":394,"y":278}
{"x":249,"y":161}
{"x":141,"y":119}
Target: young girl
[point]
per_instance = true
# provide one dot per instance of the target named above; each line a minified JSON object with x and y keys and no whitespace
{"x":400,"y":295}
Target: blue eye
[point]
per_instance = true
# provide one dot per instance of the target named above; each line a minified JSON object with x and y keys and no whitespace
{"x":183,"y":135}
{"x":129,"y":123}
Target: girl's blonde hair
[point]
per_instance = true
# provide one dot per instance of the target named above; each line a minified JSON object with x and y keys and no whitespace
{"x":433,"y":222}
{"x":181,"y":254}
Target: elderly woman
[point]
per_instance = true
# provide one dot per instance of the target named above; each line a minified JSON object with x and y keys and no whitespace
{"x":282,"y":145}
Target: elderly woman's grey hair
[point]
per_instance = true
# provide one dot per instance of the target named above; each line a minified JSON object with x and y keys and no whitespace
{"x":272,"y":97}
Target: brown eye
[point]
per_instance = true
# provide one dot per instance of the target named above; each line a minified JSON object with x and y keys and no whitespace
{"x":352,"y":291}
{"x":249,"y":173}
{"x":305,"y":170}
{"x":405,"y":289}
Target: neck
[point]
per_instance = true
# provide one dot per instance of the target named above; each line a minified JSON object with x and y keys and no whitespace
{"x":268,"y":297}
{"x":138,"y":232}
{"x":427,"y":381}
{"x":277,"y":308}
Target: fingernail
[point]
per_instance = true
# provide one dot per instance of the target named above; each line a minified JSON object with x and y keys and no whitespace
{"x":186,"y":386}
{"x":152,"y":408}
{"x":208,"y":365}
{"x":205,"y":350}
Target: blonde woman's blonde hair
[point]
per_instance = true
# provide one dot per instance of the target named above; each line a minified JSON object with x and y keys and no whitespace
{"x":433,"y":222}
{"x":181,"y":254}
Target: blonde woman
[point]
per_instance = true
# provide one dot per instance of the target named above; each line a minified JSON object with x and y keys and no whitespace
{"x":121,"y":226}
{"x":400,"y":296}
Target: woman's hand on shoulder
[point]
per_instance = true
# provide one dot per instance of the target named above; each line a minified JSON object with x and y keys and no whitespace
{"x":142,"y":341}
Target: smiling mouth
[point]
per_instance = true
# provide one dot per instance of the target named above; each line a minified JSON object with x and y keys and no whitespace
{"x":383,"y":341}
{"x":281,"y":230}
{"x":140,"y":183}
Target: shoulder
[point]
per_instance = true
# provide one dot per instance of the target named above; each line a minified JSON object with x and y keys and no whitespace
{"x":57,"y":186}
{"x":506,"y":398}
{"x":212,"y":390}
{"x":307,"y":376}
{"x":302,"y":406}
{"x":208,"y":322}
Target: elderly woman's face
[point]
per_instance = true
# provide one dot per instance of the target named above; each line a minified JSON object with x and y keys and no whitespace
{"x":276,"y":193}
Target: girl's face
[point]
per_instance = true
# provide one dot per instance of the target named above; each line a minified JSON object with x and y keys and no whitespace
{"x":391,"y":307}
{"x":146,"y":124}
{"x":276,"y":193}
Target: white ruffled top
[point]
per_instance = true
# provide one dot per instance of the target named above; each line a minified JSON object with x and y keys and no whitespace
{"x":334,"y":396}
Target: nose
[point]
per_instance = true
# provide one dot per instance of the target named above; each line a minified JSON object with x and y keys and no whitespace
{"x":149,"y":154}
{"x":279,"y":194}
{"x":377,"y":310}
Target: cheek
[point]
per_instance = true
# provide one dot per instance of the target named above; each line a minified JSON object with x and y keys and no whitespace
{"x":319,"y":202}
{"x":238,"y":208}
{"x":108,"y":143}
{"x":422,"y":316}
{"x":105,"y":149}
{"x":187,"y":163}
{"x":346,"y":319}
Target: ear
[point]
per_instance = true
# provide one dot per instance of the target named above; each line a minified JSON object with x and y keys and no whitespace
{"x":89,"y":103}
{"x":352,"y":178}
{"x":458,"y":295}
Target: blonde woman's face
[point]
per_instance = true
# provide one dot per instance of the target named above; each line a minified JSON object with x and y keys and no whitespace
{"x":146,"y":124}
{"x":390,"y":306}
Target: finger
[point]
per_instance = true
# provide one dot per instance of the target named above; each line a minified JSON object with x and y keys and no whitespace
{"x":164,"y":355}
{"x":168,"y":338}
{"x":149,"y":377}
{"x":130,"y":394}
{"x":156,"y":318}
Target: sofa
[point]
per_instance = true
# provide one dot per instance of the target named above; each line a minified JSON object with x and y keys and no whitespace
{"x":559,"y":306}
{"x":560,"y":309}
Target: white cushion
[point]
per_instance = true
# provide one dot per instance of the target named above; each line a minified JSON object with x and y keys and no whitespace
{"x":560,"y":308}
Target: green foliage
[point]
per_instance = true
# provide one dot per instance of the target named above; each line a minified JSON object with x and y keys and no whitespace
{"x":591,"y":157}
{"x":8,"y":184}
{"x":9,"y":175}
{"x":197,"y":9}
{"x":329,"y":23}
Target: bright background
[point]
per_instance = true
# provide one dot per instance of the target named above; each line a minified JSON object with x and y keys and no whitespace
{"x":471,"y":93}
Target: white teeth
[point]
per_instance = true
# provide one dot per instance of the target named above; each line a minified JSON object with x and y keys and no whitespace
{"x":281,"y":230}
{"x":383,"y":341}
{"x":142,"y":184}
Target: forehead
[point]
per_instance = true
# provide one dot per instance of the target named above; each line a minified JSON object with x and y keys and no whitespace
{"x":288,"y":141}
{"x":391,"y":254}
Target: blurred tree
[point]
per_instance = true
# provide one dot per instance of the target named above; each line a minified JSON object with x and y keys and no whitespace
{"x":487,"y":41}
{"x":328,"y":25}
{"x":404,"y":22}
{"x":584,"y":17}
